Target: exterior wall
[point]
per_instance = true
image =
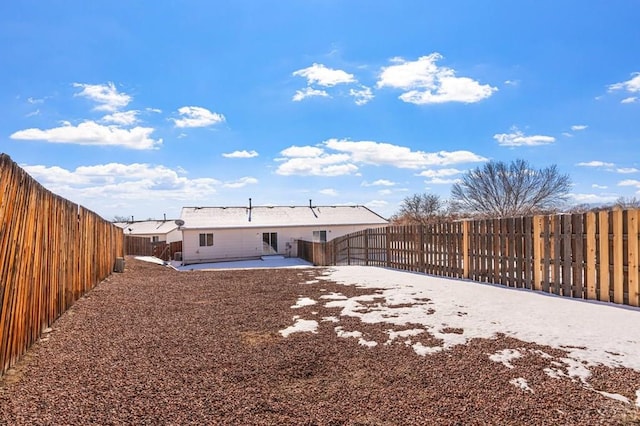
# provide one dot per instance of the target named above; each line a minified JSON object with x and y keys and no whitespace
{"x":172,"y":236}
{"x":246,"y":243}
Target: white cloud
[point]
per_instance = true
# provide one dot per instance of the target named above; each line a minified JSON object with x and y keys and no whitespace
{"x":323,"y":76}
{"x":595,"y":163}
{"x":374,"y":204}
{"x":629,"y":100}
{"x":316,"y":161}
{"x":240,"y":183}
{"x":441,"y":181}
{"x":116,"y":181}
{"x":577,"y":127}
{"x":123,"y":118}
{"x":35,"y":101}
{"x":440,"y":173}
{"x":596,"y":186}
{"x":308,"y":92}
{"x":378,"y":153}
{"x":517,"y":138}
{"x":427,"y":83}
{"x":325,"y":165}
{"x":362,"y":95}
{"x":630,"y":182}
{"x":632,"y":85}
{"x":241,"y":154}
{"x":627,"y":170}
{"x":92,"y":133}
{"x":193,"y":116}
{"x":512,"y":82}
{"x":379,"y":182}
{"x":385,"y":192}
{"x":593,"y":198}
{"x":329,"y":192}
{"x":567,"y":134}
{"x":302,"y":151}
{"x":34,"y":113}
{"x":105,"y":95}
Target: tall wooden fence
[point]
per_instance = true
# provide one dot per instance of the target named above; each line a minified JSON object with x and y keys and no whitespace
{"x":51,"y":252}
{"x":590,"y":256}
{"x":143,"y":246}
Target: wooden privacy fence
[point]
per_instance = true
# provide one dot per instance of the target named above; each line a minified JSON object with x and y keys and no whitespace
{"x":51,"y":252}
{"x":593,"y":255}
{"x":143,"y":246}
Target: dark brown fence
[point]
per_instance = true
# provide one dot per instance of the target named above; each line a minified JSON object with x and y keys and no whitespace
{"x":142,"y":246}
{"x":589,"y":256}
{"x":51,"y":252}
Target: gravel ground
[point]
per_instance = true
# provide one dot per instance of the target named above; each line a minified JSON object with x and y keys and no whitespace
{"x":154,"y":346}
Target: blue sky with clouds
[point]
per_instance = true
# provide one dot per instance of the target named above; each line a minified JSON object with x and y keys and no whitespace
{"x":140,"y":108}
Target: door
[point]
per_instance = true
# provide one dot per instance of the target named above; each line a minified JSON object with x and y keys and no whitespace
{"x":269,"y":242}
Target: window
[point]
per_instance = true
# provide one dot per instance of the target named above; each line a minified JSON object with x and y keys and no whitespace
{"x":319,"y":236}
{"x":155,"y":239}
{"x":206,"y":240}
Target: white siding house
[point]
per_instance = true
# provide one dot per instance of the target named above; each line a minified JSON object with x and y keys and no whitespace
{"x":213,"y":234}
{"x":156,"y":230}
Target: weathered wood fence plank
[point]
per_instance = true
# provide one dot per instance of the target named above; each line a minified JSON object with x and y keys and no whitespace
{"x":592,"y":256}
{"x":51,"y":252}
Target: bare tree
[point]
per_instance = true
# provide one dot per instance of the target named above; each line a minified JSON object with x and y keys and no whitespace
{"x":626,"y":203}
{"x":420,"y":209}
{"x":498,"y":189}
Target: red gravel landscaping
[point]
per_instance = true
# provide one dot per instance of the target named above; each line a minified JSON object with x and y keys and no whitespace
{"x":153,"y":346}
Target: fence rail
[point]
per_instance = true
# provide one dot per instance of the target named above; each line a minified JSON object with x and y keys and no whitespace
{"x":593,"y":255}
{"x":51,"y":252}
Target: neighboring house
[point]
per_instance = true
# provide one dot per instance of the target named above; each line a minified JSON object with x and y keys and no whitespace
{"x":156,"y":230}
{"x":211,"y":234}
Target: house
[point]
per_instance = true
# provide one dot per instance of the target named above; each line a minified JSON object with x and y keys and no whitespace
{"x":156,"y":230}
{"x":212,"y":234}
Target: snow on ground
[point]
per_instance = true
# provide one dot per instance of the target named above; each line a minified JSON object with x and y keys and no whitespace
{"x":151,"y":259}
{"x":264,"y":262}
{"x":456,"y":311}
{"x":302,"y":302}
{"x":592,"y":333}
{"x":300,"y":325}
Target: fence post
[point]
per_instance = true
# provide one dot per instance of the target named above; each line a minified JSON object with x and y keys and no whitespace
{"x":537,"y":253}
{"x":465,"y":249}
{"x":366,"y":247}
{"x":618,"y":261}
{"x":591,"y":256}
{"x":388,"y":247}
{"x":605,"y":274}
{"x":632,"y":262}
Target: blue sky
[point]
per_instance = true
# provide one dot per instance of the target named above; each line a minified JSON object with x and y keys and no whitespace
{"x":139,"y":108}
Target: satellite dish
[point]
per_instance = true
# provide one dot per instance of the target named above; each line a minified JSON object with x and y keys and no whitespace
{"x":179,"y":222}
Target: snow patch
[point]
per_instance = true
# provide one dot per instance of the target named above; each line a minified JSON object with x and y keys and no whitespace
{"x":505,"y":356}
{"x":615,"y":396}
{"x":346,"y":334}
{"x":393,"y":335}
{"x":521,"y":383}
{"x":302,"y":302}
{"x":300,"y":326}
{"x":423,"y":350}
